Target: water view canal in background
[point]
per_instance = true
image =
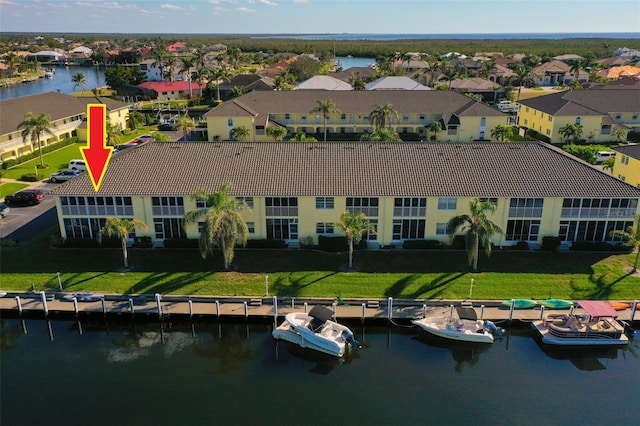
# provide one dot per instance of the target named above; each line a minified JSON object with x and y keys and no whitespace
{"x":61,"y":82}
{"x":64,"y":372}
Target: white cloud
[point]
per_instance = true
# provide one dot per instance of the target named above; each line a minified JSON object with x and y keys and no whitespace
{"x":170,"y":6}
{"x":245,"y":10}
{"x":268,"y":3}
{"x":300,"y":1}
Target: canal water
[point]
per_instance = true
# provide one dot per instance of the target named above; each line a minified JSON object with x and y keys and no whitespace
{"x":64,"y":372}
{"x":61,"y":82}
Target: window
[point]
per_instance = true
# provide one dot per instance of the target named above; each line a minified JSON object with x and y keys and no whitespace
{"x":371,"y":235}
{"x":441,"y":229}
{"x":548,"y":132}
{"x":526,"y":121}
{"x":201,"y":204}
{"x":599,"y":207}
{"x":447,"y":203}
{"x":492,"y":200}
{"x":578,"y":120}
{"x":168,"y":228}
{"x":618,"y":116}
{"x":591,"y":230}
{"x":282,"y":229}
{"x":404,"y":229}
{"x":625,"y":159}
{"x":324,"y":203}
{"x":251,"y":227}
{"x":452,"y":130}
{"x":281,"y":206}
{"x":343,"y":116}
{"x":366,"y":205}
{"x":525,"y":207}
{"x":287,"y":116}
{"x":410,"y":207}
{"x":166,"y":206}
{"x":229,"y":122}
{"x":324,"y":228}
{"x":247,"y":200}
{"x":522,"y":230}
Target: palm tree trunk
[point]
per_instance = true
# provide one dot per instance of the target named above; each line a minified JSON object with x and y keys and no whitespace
{"x":350,"y":253}
{"x":40,"y":149}
{"x":475,"y":252}
{"x":224,"y":253}
{"x":635,"y":265}
{"x":124,"y":252}
{"x":325,"y":127}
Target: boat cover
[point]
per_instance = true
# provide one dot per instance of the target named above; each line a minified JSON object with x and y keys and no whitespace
{"x":321,"y":313}
{"x":597,"y":309}
{"x":467,"y":313}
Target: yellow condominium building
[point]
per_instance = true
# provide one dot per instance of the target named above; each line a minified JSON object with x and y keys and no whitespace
{"x":67,"y":116}
{"x":409,"y":191}
{"x":599,"y":112}
{"x":462,"y":119}
{"x":627,"y":164}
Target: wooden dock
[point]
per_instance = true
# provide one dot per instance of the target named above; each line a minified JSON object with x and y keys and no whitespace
{"x":159,"y":307}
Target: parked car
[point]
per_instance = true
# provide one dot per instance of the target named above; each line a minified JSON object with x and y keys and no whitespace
{"x":26,"y":197}
{"x":4,"y":209}
{"x":143,"y":139}
{"x":63,"y":176}
{"x":507,"y":106}
{"x":166,"y":126}
{"x":77,"y":164}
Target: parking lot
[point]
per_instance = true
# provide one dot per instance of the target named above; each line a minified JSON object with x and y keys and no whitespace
{"x":25,"y":223}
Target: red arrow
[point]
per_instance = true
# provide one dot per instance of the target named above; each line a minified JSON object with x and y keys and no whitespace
{"x":96,"y":154}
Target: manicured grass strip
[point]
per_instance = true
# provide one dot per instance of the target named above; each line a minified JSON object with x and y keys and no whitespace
{"x":10,"y":188}
{"x":301,"y":273}
{"x":57,"y":160}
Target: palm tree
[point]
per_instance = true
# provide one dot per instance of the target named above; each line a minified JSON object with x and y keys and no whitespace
{"x":632,"y":239}
{"x":502,"y":133}
{"x":119,"y":227}
{"x":276,"y":132}
{"x":382,"y":115}
{"x":449,"y":74}
{"x":620,"y":134}
{"x":13,"y":62}
{"x":576,"y":66}
{"x":187,"y":65}
{"x":113,"y":134}
{"x":222,"y":222}
{"x":33,"y":127}
{"x":381,"y":135}
{"x":79,"y":81}
{"x":608,"y":164}
{"x":566,"y":131}
{"x":134,"y":119}
{"x":217,"y":74}
{"x":240,"y":133}
{"x":325,"y":107}
{"x":478,"y":228}
{"x":435,"y":127}
{"x":186,"y":124}
{"x":237,"y":91}
{"x":302,"y":137}
{"x":354,"y":225}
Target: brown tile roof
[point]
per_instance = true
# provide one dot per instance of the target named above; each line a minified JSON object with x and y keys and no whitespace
{"x":586,"y":102}
{"x":355,"y":102}
{"x":632,"y":151}
{"x":57,"y":105}
{"x":353,"y":169}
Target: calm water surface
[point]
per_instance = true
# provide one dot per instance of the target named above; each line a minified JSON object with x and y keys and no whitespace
{"x":60,"y":83}
{"x":62,"y":372}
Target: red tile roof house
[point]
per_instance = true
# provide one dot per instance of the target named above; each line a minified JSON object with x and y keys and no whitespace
{"x":171,"y":90}
{"x":177,"y":47}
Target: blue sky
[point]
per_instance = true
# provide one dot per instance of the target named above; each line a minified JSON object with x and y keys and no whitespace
{"x":320,"y":16}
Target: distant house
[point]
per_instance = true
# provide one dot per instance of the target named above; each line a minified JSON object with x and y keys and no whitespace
{"x":554,"y":73}
{"x":569,"y":57}
{"x":395,"y":83}
{"x":172,"y":90}
{"x":177,"y":47}
{"x":621,"y":71}
{"x":152,"y":69}
{"x":627,"y":164}
{"x":627,"y":53}
{"x":323,"y":82}
{"x":47,"y":56}
{"x":349,"y":74}
{"x":621,"y":83}
{"x":219,"y":47}
{"x":248,"y":82}
{"x":487,"y":89}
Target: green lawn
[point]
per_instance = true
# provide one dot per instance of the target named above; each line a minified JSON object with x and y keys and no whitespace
{"x":59,"y":159}
{"x":10,"y":188}
{"x":404,"y":274}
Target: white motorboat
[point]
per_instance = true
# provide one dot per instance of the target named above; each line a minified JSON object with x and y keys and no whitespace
{"x":316,"y":331}
{"x":598,"y":326}
{"x":465,"y":327}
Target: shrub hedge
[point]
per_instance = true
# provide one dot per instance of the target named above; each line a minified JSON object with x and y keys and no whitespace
{"x":598,"y":246}
{"x":266,"y":244}
{"x":35,"y":154}
{"x":550,"y":243}
{"x":421,"y":244}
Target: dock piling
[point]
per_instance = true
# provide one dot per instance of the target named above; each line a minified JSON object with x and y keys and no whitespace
{"x":246,"y":310}
{"x":482,"y":312}
{"x":424,"y":310}
{"x":218,"y":309}
{"x":390,"y":308}
{"x":333,"y":306}
{"x":104,"y":307}
{"x":75,"y":306}
{"x":19,"y":304}
{"x":131,"y":306}
{"x":364,"y":312}
{"x":275,"y":309}
{"x":305,"y":307}
{"x":44,"y":303}
{"x":159,"y":305}
{"x":511,"y":308}
{"x":541,"y":313}
{"x":634,"y":306}
{"x":190,"y":309}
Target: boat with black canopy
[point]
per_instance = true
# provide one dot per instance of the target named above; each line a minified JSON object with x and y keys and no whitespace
{"x":465,"y":326}
{"x":317,"y":331}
